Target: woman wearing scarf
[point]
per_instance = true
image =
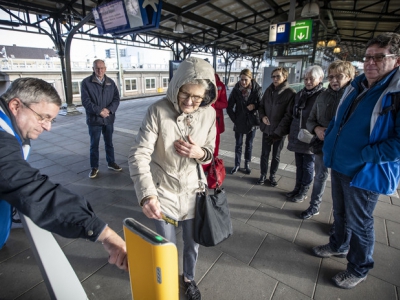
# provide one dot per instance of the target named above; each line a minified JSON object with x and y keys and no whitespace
{"x":244,"y":101}
{"x":304,"y":158}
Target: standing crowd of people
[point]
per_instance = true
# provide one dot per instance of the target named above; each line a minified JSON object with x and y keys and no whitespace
{"x":338,"y":127}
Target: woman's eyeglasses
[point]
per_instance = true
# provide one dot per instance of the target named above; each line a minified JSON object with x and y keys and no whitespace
{"x":276,"y":76}
{"x":338,"y":77}
{"x":185,"y":96}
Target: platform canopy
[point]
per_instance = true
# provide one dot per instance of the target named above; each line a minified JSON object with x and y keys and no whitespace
{"x":229,"y":24}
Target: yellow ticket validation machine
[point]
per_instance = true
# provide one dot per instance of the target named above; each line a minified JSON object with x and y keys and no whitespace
{"x":153,"y":263}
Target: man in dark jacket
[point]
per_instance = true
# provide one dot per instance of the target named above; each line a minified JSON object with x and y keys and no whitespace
{"x":100,"y":98}
{"x":27,"y":108}
{"x":349,"y":147}
{"x":276,"y":115}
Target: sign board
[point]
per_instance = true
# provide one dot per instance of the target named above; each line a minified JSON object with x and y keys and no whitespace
{"x":127,"y":16}
{"x":279,"y":33}
{"x":301,"y":31}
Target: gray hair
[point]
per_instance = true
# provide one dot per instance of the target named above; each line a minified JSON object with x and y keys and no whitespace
{"x":98,"y":60}
{"x":315,"y":71}
{"x":32,"y":90}
{"x":209,"y":91}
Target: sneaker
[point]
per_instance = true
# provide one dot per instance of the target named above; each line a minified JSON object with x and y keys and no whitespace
{"x":346,"y":280}
{"x":309,"y":212}
{"x":114,"y":166}
{"x":192,"y":291}
{"x":93,"y":173}
{"x":326,"y":251}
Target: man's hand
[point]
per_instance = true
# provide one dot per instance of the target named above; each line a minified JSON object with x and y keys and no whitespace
{"x":116,"y":248}
{"x":266,"y":120}
{"x":104,"y":113}
{"x":190,"y":150}
{"x":273,"y":138}
{"x":151,"y":208}
{"x":320,"y":132}
{"x":251,"y":107}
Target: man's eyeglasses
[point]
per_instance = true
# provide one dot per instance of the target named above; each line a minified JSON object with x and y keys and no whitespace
{"x":377,"y":57}
{"x":40,"y":118}
{"x":185,"y":96}
{"x":338,"y":77}
{"x":276,"y":76}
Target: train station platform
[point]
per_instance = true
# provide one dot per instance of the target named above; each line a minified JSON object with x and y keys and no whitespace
{"x":268,"y":256}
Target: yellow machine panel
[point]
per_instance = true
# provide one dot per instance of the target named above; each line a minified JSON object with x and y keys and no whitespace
{"x":153,"y":263}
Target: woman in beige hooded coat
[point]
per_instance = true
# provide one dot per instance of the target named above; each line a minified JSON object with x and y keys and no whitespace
{"x":177,"y":132}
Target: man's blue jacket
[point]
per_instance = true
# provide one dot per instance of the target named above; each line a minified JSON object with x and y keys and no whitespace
{"x":347,"y":146}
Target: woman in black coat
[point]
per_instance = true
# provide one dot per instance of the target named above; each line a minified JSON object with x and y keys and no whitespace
{"x":242,"y":104}
{"x":304,"y":158}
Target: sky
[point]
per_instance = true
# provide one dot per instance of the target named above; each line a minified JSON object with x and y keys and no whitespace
{"x":80,"y":49}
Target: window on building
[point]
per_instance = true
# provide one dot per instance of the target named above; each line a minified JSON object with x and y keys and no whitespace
{"x":150,"y":83}
{"x":130,"y":84}
{"x":76,"y":88}
{"x":122,"y":52}
{"x":165,"y":82}
{"x":231,"y":79}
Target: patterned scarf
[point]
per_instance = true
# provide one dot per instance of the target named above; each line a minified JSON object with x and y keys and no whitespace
{"x":246,"y":91}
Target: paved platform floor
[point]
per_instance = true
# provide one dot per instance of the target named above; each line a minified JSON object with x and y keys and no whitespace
{"x":268,"y":256}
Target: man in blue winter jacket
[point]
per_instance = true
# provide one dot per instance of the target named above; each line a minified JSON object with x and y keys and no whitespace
{"x":100,"y":98}
{"x":351,"y":144}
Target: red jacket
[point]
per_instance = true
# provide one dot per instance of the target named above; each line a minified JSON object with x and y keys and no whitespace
{"x":220,"y":104}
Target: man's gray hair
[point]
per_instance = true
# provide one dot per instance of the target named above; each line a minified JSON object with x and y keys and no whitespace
{"x":390,"y":39}
{"x":32,"y":90}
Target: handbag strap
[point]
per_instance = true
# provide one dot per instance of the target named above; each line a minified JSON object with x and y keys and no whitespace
{"x":215,"y":172}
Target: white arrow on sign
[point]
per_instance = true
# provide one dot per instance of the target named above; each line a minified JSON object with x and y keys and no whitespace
{"x":301,"y":36}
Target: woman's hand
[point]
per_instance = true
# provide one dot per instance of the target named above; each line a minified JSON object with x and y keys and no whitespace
{"x":190,"y":150}
{"x":266,"y":120}
{"x":251,"y":106}
{"x":151,"y":208}
{"x":320,"y":132}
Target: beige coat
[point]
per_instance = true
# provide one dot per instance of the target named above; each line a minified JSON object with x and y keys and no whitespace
{"x":154,"y":165}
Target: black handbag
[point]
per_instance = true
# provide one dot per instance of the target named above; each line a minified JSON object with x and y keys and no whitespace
{"x":212,"y":223}
{"x":253,"y":118}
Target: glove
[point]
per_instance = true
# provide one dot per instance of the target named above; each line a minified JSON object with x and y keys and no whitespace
{"x":273,"y":138}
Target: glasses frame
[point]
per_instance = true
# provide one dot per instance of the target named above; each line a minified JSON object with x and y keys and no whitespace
{"x":39,"y":117}
{"x":377,"y":58}
{"x":193,"y":97}
{"x":276,"y":76}
{"x":311,"y":79}
{"x":331,"y":77}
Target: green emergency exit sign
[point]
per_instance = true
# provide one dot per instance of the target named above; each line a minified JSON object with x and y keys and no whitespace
{"x":301,"y":31}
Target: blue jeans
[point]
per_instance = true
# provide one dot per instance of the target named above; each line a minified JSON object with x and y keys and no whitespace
{"x":248,"y":149}
{"x":304,"y":168}
{"x":276,"y":155}
{"x":190,"y":247}
{"x":94,"y":132}
{"x":354,"y":223}
{"x":321,"y":175}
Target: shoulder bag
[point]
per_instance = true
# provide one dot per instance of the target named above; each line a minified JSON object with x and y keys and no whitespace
{"x":212,"y":223}
{"x":304,"y":135}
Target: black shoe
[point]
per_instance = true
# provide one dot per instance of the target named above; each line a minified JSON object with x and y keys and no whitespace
{"x":309,"y":212}
{"x":262,"y":179}
{"x":93,"y":173}
{"x":302,"y":194}
{"x":272,"y":181}
{"x":247,"y":169}
{"x":191,"y":290}
{"x":115,"y":167}
{"x":293,"y":193}
{"x":235,"y":169}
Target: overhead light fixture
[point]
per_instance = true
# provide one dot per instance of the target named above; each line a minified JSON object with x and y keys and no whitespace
{"x":331,"y":44}
{"x":243,"y":46}
{"x":178,"y":26}
{"x":336,"y":50}
{"x":310,"y":10}
{"x":321,"y":44}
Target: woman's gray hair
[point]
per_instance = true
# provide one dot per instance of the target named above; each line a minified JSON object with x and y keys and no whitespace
{"x":209,"y":91}
{"x":32,"y":90}
{"x":315,"y":71}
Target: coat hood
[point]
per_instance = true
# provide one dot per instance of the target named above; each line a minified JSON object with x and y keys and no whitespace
{"x":189,"y":70}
